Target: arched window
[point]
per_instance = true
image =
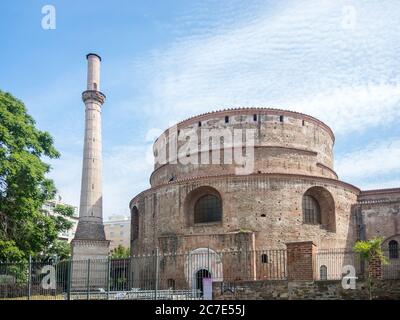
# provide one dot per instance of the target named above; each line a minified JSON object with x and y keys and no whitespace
{"x":311,"y":210}
{"x":208,"y":209}
{"x":323,"y":272}
{"x":135,"y":223}
{"x":393,"y":249}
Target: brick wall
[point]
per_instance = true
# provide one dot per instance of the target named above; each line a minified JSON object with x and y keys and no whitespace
{"x":301,"y":260}
{"x":378,"y":213}
{"x":268,"y":205}
{"x":375,"y":268}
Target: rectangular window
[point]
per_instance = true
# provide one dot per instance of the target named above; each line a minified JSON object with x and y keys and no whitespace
{"x":226,"y":119}
{"x":254,"y":117}
{"x":281,"y":118}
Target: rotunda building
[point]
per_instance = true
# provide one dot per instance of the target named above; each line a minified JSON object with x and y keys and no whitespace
{"x":253,"y":178}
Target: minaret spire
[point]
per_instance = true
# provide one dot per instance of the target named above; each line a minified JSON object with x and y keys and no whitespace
{"x":89,"y":240}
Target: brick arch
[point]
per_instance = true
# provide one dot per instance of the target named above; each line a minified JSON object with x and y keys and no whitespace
{"x":326,"y":204}
{"x":385,"y":242}
{"x":194,"y":196}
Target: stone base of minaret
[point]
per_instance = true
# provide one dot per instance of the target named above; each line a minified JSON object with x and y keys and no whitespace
{"x":89,"y":265}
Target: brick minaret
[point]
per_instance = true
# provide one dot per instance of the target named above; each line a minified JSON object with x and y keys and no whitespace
{"x":90,"y":241}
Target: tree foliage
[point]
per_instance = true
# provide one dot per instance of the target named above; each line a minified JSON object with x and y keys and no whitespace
{"x":61,"y":249}
{"x":25,"y":229}
{"x":120,"y":252}
{"x":9,"y":251}
{"x":370,"y":249}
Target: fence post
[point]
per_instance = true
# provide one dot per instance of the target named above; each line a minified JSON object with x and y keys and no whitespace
{"x":157,"y":275}
{"x":375,"y":268}
{"x":301,"y":260}
{"x":30,"y":277}
{"x":108,"y":277}
{"x":88,"y":280}
{"x":246,"y":262}
{"x":69,"y":280}
{"x":208,"y":259}
{"x":189,"y":279}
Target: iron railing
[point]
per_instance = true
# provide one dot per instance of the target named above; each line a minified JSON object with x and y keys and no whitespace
{"x":391,"y":269}
{"x":333,"y":264}
{"x":169,"y":276}
{"x":146,"y":276}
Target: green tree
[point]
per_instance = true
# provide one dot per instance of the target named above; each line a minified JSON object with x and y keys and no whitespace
{"x":9,"y":251}
{"x":59,"y":223}
{"x":25,"y":229}
{"x":370,"y":250}
{"x":61,"y":249}
{"x":120,"y":252}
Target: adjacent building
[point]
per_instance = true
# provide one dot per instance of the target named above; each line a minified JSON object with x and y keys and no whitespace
{"x":118,"y":230}
{"x":49,"y":207}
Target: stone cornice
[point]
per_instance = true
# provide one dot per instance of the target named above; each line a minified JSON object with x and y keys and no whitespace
{"x":249,"y":177}
{"x":90,"y":243}
{"x":377,"y":201}
{"x":250,"y":111}
{"x":310,"y":152}
{"x":327,"y":168}
{"x":93,"y":95}
{"x":379,"y":192}
{"x":93,"y":54}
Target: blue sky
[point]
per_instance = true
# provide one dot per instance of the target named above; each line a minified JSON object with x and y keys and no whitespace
{"x":164,"y":61}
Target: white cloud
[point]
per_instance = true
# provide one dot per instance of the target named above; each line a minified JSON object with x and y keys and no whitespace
{"x":298,"y":56}
{"x":354,"y":108}
{"x":375,"y":159}
{"x":292,"y":55}
{"x":66,"y":173}
{"x":125,"y":173}
{"x":380,"y":184}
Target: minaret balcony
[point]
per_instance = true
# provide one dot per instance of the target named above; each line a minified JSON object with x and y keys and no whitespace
{"x":93,"y":95}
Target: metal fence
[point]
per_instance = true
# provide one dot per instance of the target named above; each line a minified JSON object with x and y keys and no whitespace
{"x":149,"y":276}
{"x":36,"y":280}
{"x":333,"y":264}
{"x":391,"y":269}
{"x":170,"y":276}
